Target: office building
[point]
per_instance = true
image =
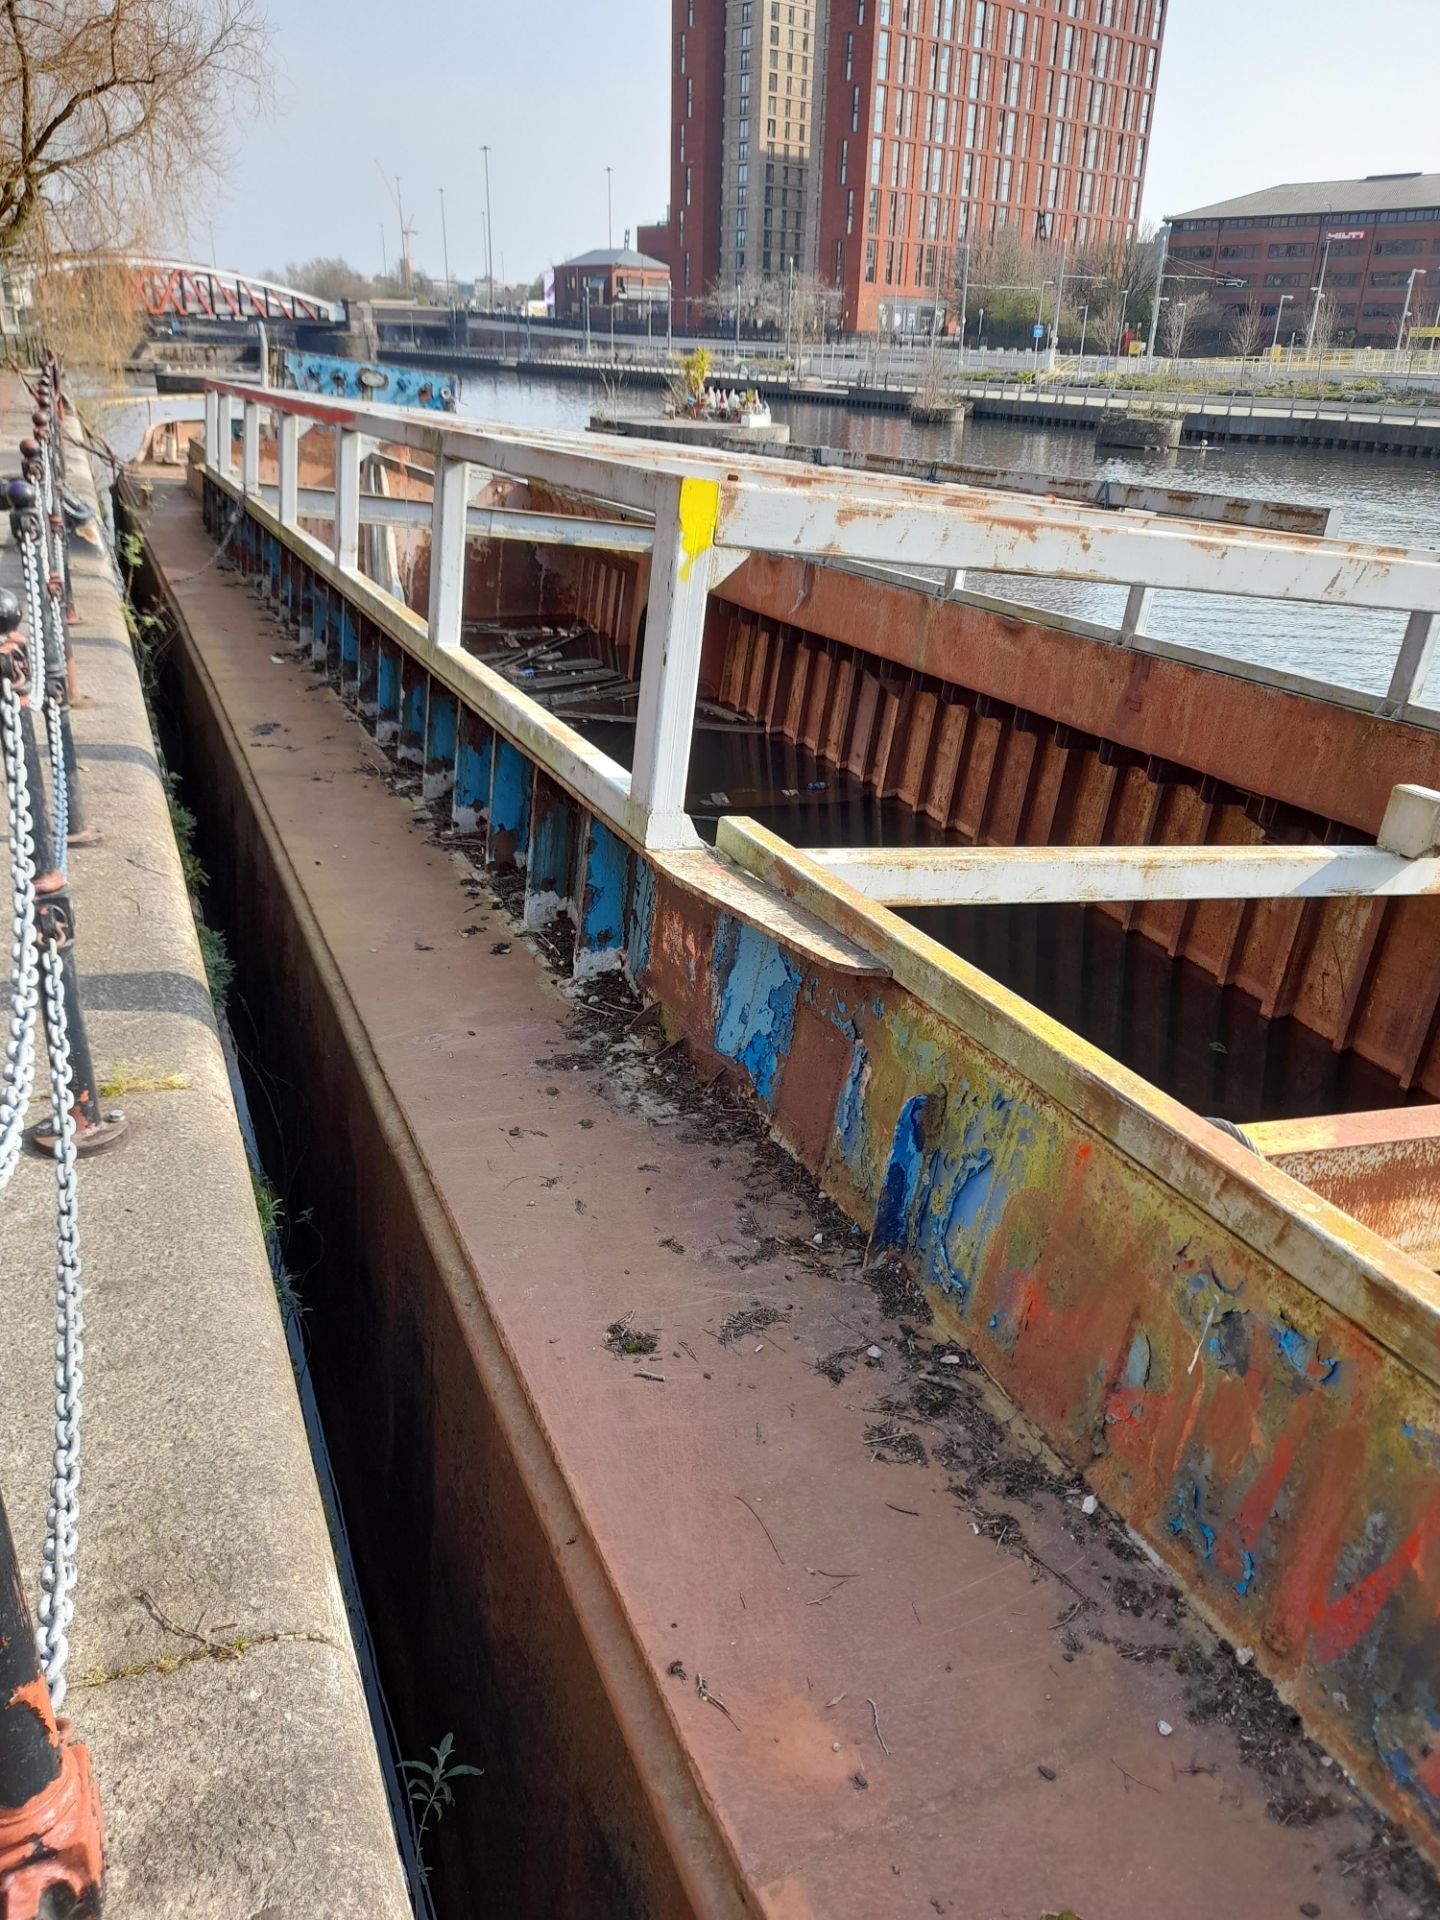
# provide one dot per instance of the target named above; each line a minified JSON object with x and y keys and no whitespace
{"x":1363,"y":255}
{"x":870,"y":141}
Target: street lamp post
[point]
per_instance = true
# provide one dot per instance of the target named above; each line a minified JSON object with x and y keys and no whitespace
{"x":1084,"y":326}
{"x":1279,"y":313}
{"x":1120,"y":330}
{"x":489,"y":233}
{"x":1418,"y":273}
{"x":445,"y":253}
{"x":1319,"y":292}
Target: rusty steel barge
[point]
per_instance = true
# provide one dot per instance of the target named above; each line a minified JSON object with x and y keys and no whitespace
{"x":1231,"y":1332}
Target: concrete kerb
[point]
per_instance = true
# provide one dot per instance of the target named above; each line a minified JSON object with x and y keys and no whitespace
{"x":230,"y":1784}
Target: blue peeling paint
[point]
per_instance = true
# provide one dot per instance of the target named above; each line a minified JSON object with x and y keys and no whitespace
{"x":472,"y":768}
{"x":552,"y":840}
{"x":972,"y":1190}
{"x":1137,"y":1363}
{"x":902,"y":1175}
{"x":607,"y":882}
{"x":441,"y":725}
{"x":1304,"y":1356}
{"x":850,"y":1108}
{"x":319,"y":611}
{"x":758,"y":990}
{"x":1186,"y":1519}
{"x":642,"y":920}
{"x":1246,"y":1580}
{"x":412,"y":718}
{"x":349,"y":643}
{"x":510,"y":777}
{"x":388,"y":695}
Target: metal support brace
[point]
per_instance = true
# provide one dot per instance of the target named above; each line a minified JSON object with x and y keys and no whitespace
{"x":447,"y":551}
{"x":347,"y":500}
{"x":225,"y":433}
{"x":212,"y":426}
{"x":1413,"y":661}
{"x":250,"y":470}
{"x":680,"y":567}
{"x":289,"y":447}
{"x":1136,"y":616}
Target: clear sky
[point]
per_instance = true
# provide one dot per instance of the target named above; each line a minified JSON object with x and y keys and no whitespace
{"x":1251,"y":92}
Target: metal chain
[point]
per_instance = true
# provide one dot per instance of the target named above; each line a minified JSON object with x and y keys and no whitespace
{"x":59,"y":785}
{"x":30,"y":564}
{"x":19,"y":1069}
{"x":59,"y":1573}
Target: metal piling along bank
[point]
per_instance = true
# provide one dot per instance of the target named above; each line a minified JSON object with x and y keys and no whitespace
{"x":1245,"y":1373}
{"x":51,"y":1837}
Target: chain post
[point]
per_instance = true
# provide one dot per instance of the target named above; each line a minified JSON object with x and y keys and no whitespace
{"x":52,"y":1836}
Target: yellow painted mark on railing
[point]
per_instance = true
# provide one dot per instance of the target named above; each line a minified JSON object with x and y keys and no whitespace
{"x":699,"y":510}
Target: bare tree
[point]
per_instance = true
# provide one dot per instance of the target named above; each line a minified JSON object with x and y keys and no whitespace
{"x":1247,"y":329}
{"x":1183,"y":315}
{"x":1327,"y":319}
{"x":114,"y":116}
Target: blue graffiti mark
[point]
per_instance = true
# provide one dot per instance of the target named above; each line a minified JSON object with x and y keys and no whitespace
{"x":1304,"y":1356}
{"x":902,"y":1175}
{"x":1137,"y":1362}
{"x":607,"y":877}
{"x":363,"y":380}
{"x":975,"y":1181}
{"x":1247,"y":1578}
{"x":758,"y":991}
{"x":1209,"y":1273}
{"x":850,"y":1107}
{"x":1187,"y":1517}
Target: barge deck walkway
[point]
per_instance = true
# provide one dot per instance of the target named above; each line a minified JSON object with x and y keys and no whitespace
{"x":871,"y":1651}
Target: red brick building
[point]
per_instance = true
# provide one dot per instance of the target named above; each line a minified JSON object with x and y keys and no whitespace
{"x":1362,"y":255}
{"x":869,"y":141}
{"x":653,"y":237}
{"x":632,"y":283}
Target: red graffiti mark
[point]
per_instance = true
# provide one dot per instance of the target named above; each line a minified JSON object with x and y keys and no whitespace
{"x":1348,"y":1619}
{"x":1256,"y":1508}
{"x":1427,"y":1773}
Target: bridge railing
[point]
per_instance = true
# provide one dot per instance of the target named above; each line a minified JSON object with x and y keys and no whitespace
{"x":696,"y":514}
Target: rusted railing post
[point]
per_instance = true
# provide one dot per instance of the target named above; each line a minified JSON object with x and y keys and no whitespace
{"x":52,"y":1838}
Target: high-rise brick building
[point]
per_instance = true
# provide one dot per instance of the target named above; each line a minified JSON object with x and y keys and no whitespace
{"x":869,"y":141}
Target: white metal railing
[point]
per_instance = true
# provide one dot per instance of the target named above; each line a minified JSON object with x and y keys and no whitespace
{"x":694,"y":514}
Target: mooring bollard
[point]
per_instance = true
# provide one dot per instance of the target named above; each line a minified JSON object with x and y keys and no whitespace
{"x":52,"y":1836}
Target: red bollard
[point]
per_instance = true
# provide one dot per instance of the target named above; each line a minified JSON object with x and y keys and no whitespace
{"x":52,"y":1837}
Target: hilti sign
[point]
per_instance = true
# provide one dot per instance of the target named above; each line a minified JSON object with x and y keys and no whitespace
{"x":1358,"y":234}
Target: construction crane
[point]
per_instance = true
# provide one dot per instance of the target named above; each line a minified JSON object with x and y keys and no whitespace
{"x":407,"y":228}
